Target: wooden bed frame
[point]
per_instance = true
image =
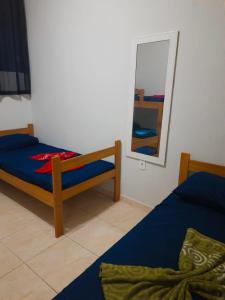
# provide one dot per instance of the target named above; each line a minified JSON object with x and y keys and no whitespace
{"x":150,"y":104}
{"x":187,"y":165}
{"x":56,"y":198}
{"x":154,"y":141}
{"x":149,"y":141}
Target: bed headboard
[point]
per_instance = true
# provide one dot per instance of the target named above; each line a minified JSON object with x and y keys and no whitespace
{"x":27,"y":130}
{"x":187,"y":165}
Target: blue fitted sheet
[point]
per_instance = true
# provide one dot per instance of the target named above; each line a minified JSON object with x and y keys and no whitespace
{"x":18,"y":163}
{"x":155,"y":242}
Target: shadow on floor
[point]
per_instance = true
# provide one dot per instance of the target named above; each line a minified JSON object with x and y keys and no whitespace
{"x":77,"y":210}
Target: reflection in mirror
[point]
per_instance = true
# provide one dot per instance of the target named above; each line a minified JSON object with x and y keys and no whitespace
{"x":150,"y":82}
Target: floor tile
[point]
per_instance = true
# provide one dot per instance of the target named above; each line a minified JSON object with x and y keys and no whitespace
{"x":30,"y":204}
{"x":8,"y":261}
{"x":13,"y":219}
{"x":61,"y":263}
{"x":92,"y":221}
{"x":122,"y":212}
{"x":75,"y":218}
{"x":31,"y":240}
{"x":23,"y":284}
{"x":137,"y":204}
{"x":96,"y":235}
{"x":128,"y":223}
{"x":6,"y":203}
{"x":91,"y":202}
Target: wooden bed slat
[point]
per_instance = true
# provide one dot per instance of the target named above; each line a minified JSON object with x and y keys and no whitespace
{"x":150,"y":141}
{"x":149,"y":104}
{"x":31,"y":189}
{"x":86,"y":159}
{"x":27,"y":130}
{"x":83,"y":186}
{"x":195,"y":166}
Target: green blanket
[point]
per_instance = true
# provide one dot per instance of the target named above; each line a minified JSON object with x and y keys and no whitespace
{"x":201,"y":271}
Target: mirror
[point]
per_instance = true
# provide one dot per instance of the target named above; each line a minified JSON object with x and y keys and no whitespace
{"x":151,"y":97}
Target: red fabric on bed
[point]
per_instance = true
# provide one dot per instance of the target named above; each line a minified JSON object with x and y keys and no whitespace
{"x":48,"y":156}
{"x":47,"y":167}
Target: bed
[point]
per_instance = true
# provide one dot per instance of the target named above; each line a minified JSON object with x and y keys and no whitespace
{"x":156,"y":241}
{"x":17,"y":169}
{"x":148,"y":102}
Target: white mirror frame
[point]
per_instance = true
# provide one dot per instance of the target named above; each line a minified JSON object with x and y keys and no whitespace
{"x":172,"y":37}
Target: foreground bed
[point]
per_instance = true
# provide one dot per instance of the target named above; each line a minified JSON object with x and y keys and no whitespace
{"x":17,"y":169}
{"x":156,"y":241}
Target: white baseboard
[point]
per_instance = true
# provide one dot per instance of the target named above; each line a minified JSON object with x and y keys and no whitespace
{"x":135,"y":202}
{"x":123,"y":197}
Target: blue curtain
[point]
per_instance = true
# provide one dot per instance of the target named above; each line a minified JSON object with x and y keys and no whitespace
{"x":14,"y":58}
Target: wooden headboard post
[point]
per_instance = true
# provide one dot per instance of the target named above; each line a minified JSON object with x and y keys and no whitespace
{"x":140,"y":93}
{"x":184,"y":167}
{"x":188,"y":165}
{"x":31,"y":129}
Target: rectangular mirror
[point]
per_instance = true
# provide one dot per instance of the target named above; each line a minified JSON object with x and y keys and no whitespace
{"x":150,"y":97}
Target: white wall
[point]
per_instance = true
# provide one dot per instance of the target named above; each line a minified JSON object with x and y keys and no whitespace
{"x":81,"y":60}
{"x":15,"y":112}
{"x":152,"y":59}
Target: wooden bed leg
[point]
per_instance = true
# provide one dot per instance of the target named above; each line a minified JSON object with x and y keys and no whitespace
{"x":58,"y":220}
{"x":57,"y":194}
{"x":184,"y":167}
{"x":117,"y":178}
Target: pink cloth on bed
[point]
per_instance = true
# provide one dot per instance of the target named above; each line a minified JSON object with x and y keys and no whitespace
{"x":159,"y":96}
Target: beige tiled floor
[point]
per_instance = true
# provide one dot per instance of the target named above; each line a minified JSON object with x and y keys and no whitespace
{"x":36,"y":265}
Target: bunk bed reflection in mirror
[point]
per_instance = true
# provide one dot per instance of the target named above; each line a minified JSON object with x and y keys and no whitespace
{"x":151,"y":96}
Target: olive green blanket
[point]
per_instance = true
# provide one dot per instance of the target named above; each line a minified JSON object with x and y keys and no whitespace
{"x":201,"y":271}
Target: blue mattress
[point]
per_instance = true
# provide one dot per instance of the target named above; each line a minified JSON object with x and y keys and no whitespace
{"x":155,"y":242}
{"x":153,"y":99}
{"x":18,"y":163}
{"x":149,"y":98}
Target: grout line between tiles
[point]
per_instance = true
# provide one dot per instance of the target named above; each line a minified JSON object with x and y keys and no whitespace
{"x":27,"y":260}
{"x":95,"y":254}
{"x":57,"y":241}
{"x":118,"y":227}
{"x":48,"y":248}
{"x":17,"y":230}
{"x":110,"y":223}
{"x":25,"y":263}
{"x":13,"y":269}
{"x":104,"y":221}
{"x":51,"y":287}
{"x":66,"y":236}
